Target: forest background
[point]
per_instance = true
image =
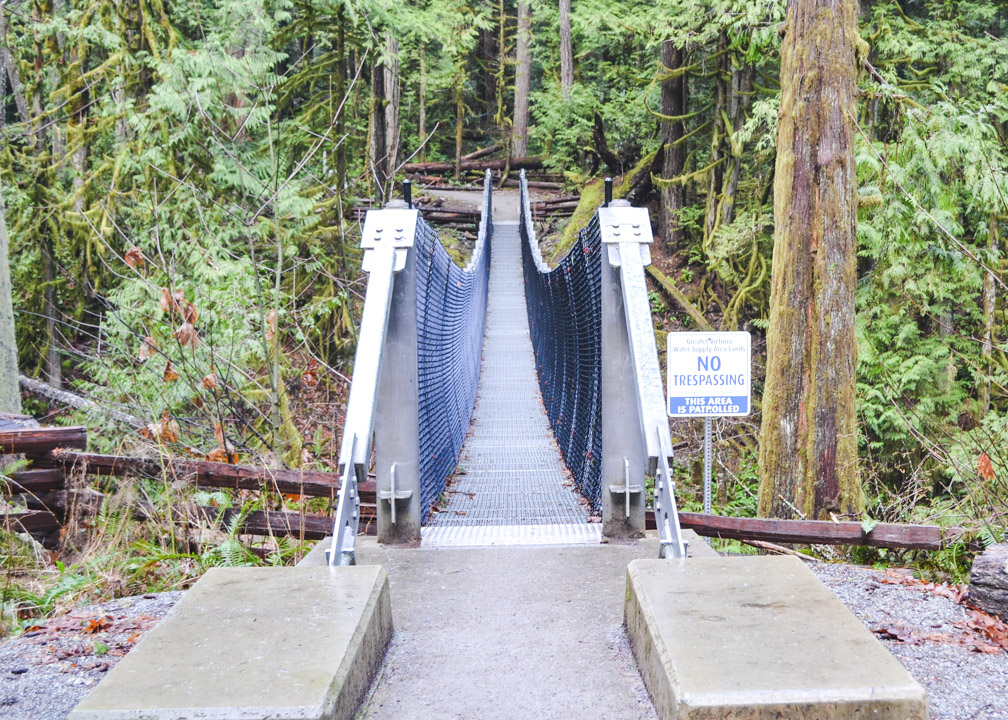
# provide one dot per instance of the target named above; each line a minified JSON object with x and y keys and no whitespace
{"x":179,"y":182}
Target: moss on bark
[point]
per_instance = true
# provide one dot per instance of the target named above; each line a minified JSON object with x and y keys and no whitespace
{"x":808,"y":448}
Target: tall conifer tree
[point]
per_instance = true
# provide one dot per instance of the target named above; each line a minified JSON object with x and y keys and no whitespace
{"x":808,"y":449}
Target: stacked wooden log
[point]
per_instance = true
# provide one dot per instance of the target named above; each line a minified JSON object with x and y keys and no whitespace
{"x":434,"y":212}
{"x":42,"y":490}
{"x":563,"y":206}
{"x":56,"y":451}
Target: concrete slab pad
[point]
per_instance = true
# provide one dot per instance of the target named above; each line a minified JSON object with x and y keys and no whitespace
{"x":254,"y":643}
{"x":757,"y":638}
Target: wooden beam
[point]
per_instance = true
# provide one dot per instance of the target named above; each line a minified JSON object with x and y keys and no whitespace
{"x":36,"y":481}
{"x":818,"y":532}
{"x":312,"y":483}
{"x":522,"y":163}
{"x":33,"y":521}
{"x":37,"y":441}
{"x":288,"y":523}
{"x":483,"y":153}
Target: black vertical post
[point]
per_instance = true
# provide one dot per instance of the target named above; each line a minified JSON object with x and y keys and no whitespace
{"x":407,"y":193}
{"x":608,"y":191}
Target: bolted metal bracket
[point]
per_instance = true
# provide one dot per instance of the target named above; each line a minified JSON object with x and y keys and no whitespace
{"x":389,"y":230}
{"x":341,"y":551}
{"x":626,"y":489}
{"x":392,"y":496}
{"x":392,"y":226}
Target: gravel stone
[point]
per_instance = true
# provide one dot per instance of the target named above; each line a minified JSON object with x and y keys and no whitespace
{"x":44,"y":673}
{"x":961,"y":684}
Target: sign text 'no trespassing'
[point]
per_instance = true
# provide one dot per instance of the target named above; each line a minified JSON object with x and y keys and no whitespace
{"x":709,"y":373}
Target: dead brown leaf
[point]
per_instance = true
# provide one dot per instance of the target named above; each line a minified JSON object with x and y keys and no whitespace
{"x":271,"y":325}
{"x":186,"y":335}
{"x":310,"y":376}
{"x":900,"y":632}
{"x":225,"y":452}
{"x":955,"y":593}
{"x":169,"y":428}
{"x":189,"y":314}
{"x":148,"y":348}
{"x":984,"y":467}
{"x":169,"y":372}
{"x":171,"y":302}
{"x":134,"y":257}
{"x":991,"y":628}
{"x":223,"y":455}
{"x":210,"y":380}
{"x":96,"y":625}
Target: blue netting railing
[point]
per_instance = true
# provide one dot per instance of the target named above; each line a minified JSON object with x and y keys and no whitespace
{"x":451,"y":317}
{"x":565,"y":312}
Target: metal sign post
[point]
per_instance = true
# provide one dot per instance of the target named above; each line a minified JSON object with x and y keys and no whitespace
{"x":709,"y":375}
{"x":706,"y":464}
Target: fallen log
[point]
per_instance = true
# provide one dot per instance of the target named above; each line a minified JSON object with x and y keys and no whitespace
{"x":820,"y":532}
{"x":447,"y":215}
{"x":312,"y":483}
{"x":535,"y":184}
{"x":988,"y":588}
{"x":36,"y":481}
{"x":436,"y":214}
{"x":33,"y":522}
{"x":676,"y":294}
{"x":562,"y":200}
{"x":38,"y":441}
{"x":476,"y":154}
{"x":62,"y":503}
{"x":776,"y":549}
{"x":65,"y":397}
{"x":285,"y":522}
{"x":523,"y":163}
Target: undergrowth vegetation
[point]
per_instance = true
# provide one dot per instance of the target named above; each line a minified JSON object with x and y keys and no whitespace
{"x":147,"y":536}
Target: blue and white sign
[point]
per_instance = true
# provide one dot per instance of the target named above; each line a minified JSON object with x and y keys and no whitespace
{"x":709,"y":374}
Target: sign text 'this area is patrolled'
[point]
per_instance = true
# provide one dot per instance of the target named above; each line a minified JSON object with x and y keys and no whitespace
{"x":709,"y":373}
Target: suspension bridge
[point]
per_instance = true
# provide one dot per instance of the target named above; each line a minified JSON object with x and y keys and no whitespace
{"x":512,"y":414}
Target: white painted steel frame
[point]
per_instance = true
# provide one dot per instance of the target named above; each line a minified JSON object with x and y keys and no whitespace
{"x":626,"y":234}
{"x":386,"y":239}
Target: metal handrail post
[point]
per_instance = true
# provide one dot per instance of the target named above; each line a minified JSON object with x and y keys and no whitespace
{"x":387,"y":239}
{"x":635,"y":432}
{"x":397,"y":426}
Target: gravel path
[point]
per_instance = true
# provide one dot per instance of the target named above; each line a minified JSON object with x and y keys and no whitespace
{"x":47,"y":671}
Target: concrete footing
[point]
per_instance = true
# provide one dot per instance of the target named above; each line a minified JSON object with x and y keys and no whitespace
{"x":253,"y":643}
{"x":757,"y":638}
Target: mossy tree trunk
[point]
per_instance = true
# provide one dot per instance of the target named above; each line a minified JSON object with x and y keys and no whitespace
{"x":10,"y":393}
{"x":393,"y":127}
{"x":377,"y":132}
{"x":673,"y":95}
{"x":566,"y":50}
{"x":523,"y":78}
{"x":808,"y":448}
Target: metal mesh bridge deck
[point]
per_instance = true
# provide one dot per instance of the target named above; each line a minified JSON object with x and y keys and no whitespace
{"x":511,"y":486}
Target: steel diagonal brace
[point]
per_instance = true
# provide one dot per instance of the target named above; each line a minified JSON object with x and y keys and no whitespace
{"x":626,"y":234}
{"x":387,"y":237}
